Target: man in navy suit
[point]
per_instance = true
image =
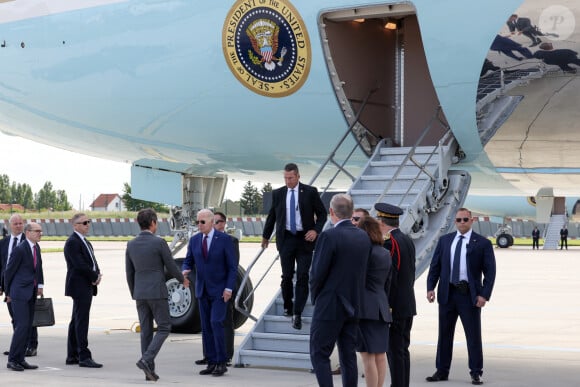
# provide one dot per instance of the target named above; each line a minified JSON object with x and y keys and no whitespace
{"x":15,"y":238}
{"x":337,"y":280}
{"x":24,"y":280}
{"x":82,"y":277}
{"x":299,"y":216}
{"x":460,"y":261}
{"x":212,"y":254}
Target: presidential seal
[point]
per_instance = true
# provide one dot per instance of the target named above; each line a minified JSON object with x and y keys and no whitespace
{"x":266,"y":46}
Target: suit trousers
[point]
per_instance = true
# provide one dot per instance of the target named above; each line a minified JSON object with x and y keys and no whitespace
{"x":32,"y":336}
{"x":229,"y":331}
{"x":398,"y":353}
{"x":212,"y":311}
{"x":294,"y":253}
{"x":324,"y":334}
{"x":459,"y":305}
{"x":153,"y":310}
{"x":23,"y":314}
{"x":78,"y":329}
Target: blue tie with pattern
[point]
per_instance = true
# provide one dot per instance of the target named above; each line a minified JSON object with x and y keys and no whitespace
{"x":292,"y":212}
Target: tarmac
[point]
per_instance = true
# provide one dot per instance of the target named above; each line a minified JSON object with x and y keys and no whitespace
{"x":531,"y":329}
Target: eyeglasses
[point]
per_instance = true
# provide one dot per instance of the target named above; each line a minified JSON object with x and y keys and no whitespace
{"x":355,"y":218}
{"x":35,"y":230}
{"x":219,"y":221}
{"x":465,"y":220}
{"x":84,"y":223}
{"x":200,"y":221}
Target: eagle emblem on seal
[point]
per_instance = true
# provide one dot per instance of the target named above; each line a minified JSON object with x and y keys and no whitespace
{"x":263,"y":35}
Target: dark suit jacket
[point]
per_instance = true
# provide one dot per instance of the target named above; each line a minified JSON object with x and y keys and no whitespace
{"x":312,"y":212}
{"x":375,"y":300}
{"x":564,"y":233}
{"x":536,"y":234}
{"x":520,"y":24}
{"x":480,"y":263}
{"x":402,"y":292}
{"x":145,"y":259}
{"x":216,"y":272}
{"x":20,"y":273}
{"x":80,"y":274}
{"x":4,"y":244}
{"x":338,"y":272}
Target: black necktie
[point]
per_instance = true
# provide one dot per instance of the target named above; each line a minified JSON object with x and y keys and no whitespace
{"x":14,"y":243}
{"x":456,"y":260}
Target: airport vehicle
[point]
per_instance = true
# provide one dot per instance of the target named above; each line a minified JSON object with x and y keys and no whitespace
{"x":390,"y":93}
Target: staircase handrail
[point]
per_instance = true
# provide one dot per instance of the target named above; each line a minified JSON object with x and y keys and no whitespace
{"x":446,"y":137}
{"x":242,"y":307}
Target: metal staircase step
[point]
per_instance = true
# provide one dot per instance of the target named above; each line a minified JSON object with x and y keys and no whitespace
{"x":275,"y":359}
{"x":279,"y":308}
{"x":282,"y":324}
{"x":404,"y":151}
{"x":281,"y":342}
{"x":380,"y":182}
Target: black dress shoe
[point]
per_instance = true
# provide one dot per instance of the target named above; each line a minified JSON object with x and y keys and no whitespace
{"x":219,"y":370}
{"x":6,"y":353}
{"x":30,"y":352}
{"x":146,"y":368}
{"x":89,"y":363}
{"x":71,"y":360}
{"x":201,"y":361}
{"x":14,"y":366}
{"x":476,"y":379}
{"x":437,"y":377}
{"x":297,"y":322}
{"x":24,"y":364}
{"x":153,"y":379}
{"x":287,"y":312}
{"x":209,"y":370}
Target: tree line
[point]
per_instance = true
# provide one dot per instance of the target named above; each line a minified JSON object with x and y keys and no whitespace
{"x":47,"y":198}
{"x":21,"y":193}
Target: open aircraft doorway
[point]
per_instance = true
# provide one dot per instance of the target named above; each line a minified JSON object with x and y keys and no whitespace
{"x":377,"y":65}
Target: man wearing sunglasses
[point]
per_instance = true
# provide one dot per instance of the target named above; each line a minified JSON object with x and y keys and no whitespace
{"x":212,"y":254}
{"x":460,"y":261}
{"x":82,"y":278}
{"x":219,"y":219}
{"x":24,"y":281}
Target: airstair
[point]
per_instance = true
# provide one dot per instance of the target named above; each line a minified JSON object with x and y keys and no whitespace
{"x":552,"y":237}
{"x":416,"y":179}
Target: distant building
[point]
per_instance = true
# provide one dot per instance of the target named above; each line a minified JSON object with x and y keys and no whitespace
{"x":11,"y":207}
{"x":108,"y":203}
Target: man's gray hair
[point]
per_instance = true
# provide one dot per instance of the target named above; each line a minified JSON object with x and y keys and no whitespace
{"x":342,"y":206}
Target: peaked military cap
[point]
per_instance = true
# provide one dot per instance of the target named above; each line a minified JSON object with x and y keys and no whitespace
{"x":385,"y":210}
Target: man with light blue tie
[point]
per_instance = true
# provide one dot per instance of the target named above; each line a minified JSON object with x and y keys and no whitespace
{"x":460,"y":262}
{"x":299,"y":216}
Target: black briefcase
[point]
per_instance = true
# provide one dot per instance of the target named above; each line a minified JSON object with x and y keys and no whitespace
{"x":43,"y":313}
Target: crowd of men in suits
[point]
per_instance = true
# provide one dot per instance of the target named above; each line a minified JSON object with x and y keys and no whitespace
{"x":359,"y":273}
{"x":335,"y":263}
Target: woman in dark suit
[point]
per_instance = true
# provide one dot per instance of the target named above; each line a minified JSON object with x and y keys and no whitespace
{"x":375,"y":312}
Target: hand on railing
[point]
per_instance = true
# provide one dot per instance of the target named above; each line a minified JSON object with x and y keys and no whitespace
{"x":265,"y":243}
